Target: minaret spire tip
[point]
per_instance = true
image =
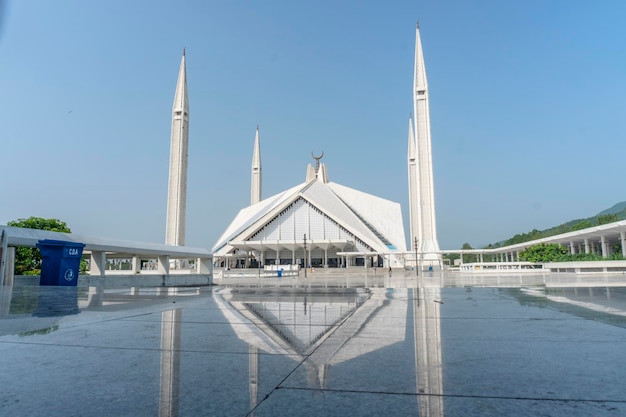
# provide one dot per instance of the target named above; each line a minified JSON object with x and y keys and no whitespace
{"x":183,"y":51}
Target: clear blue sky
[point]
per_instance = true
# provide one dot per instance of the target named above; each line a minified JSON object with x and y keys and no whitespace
{"x":527,"y":108}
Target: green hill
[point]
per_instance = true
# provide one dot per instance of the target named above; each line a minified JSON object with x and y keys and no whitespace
{"x":613,"y":214}
{"x":619,"y":209}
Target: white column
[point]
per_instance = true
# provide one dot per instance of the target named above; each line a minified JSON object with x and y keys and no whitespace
{"x":97,"y":263}
{"x":603,"y":247}
{"x":622,"y":238}
{"x":4,"y":249}
{"x":6,"y":294}
{"x":587,"y":246}
{"x":163,"y":264}
{"x":9,"y":266}
{"x":204,"y":265}
{"x":136,"y":264}
{"x":572,"y":249}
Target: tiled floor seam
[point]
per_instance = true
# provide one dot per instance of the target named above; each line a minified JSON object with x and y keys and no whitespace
{"x":486,"y":397}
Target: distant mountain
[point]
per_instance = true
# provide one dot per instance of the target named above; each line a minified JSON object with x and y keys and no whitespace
{"x":619,"y":209}
{"x":615,"y":213}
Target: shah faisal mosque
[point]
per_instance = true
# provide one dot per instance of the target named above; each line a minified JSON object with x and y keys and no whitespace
{"x":318,"y":223}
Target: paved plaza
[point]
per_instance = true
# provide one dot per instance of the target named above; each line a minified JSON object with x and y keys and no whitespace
{"x":330,"y":345}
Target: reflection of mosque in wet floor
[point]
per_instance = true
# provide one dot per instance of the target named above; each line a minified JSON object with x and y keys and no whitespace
{"x":320,"y":329}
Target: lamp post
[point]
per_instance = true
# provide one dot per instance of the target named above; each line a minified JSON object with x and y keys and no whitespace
{"x":305,"y":255}
{"x":416,"y":261}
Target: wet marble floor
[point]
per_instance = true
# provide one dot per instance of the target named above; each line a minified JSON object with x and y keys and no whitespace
{"x":328,"y":346}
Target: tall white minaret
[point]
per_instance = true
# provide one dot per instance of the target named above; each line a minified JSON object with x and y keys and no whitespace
{"x":426,"y":226}
{"x":177,"y":188}
{"x":413,"y":187}
{"x":255,"y":183}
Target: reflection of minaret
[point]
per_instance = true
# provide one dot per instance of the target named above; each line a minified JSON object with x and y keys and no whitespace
{"x":255,"y":184}
{"x":427,"y":331}
{"x":177,"y":187}
{"x":423,"y":216}
{"x":253,"y":376}
{"x":170,"y":362}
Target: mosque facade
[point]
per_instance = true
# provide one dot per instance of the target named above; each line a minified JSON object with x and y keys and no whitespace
{"x":319,"y":223}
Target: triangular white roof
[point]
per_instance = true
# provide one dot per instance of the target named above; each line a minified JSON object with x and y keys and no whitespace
{"x":374,"y":220}
{"x":249,"y":215}
{"x":384,"y":215}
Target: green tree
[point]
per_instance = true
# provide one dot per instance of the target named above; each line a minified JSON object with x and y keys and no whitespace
{"x":581,"y":225}
{"x":468,"y":257}
{"x":524,"y":237}
{"x":28,"y":260}
{"x":492,"y":257}
{"x":543,"y":252}
{"x":451,"y":257}
{"x":607,"y":218}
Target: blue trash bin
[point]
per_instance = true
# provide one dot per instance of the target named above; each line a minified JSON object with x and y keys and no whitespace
{"x":280,"y":272}
{"x":60,"y":262}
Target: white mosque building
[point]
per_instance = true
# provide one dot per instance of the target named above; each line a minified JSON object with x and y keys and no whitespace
{"x":317,"y":223}
{"x":320,"y":223}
